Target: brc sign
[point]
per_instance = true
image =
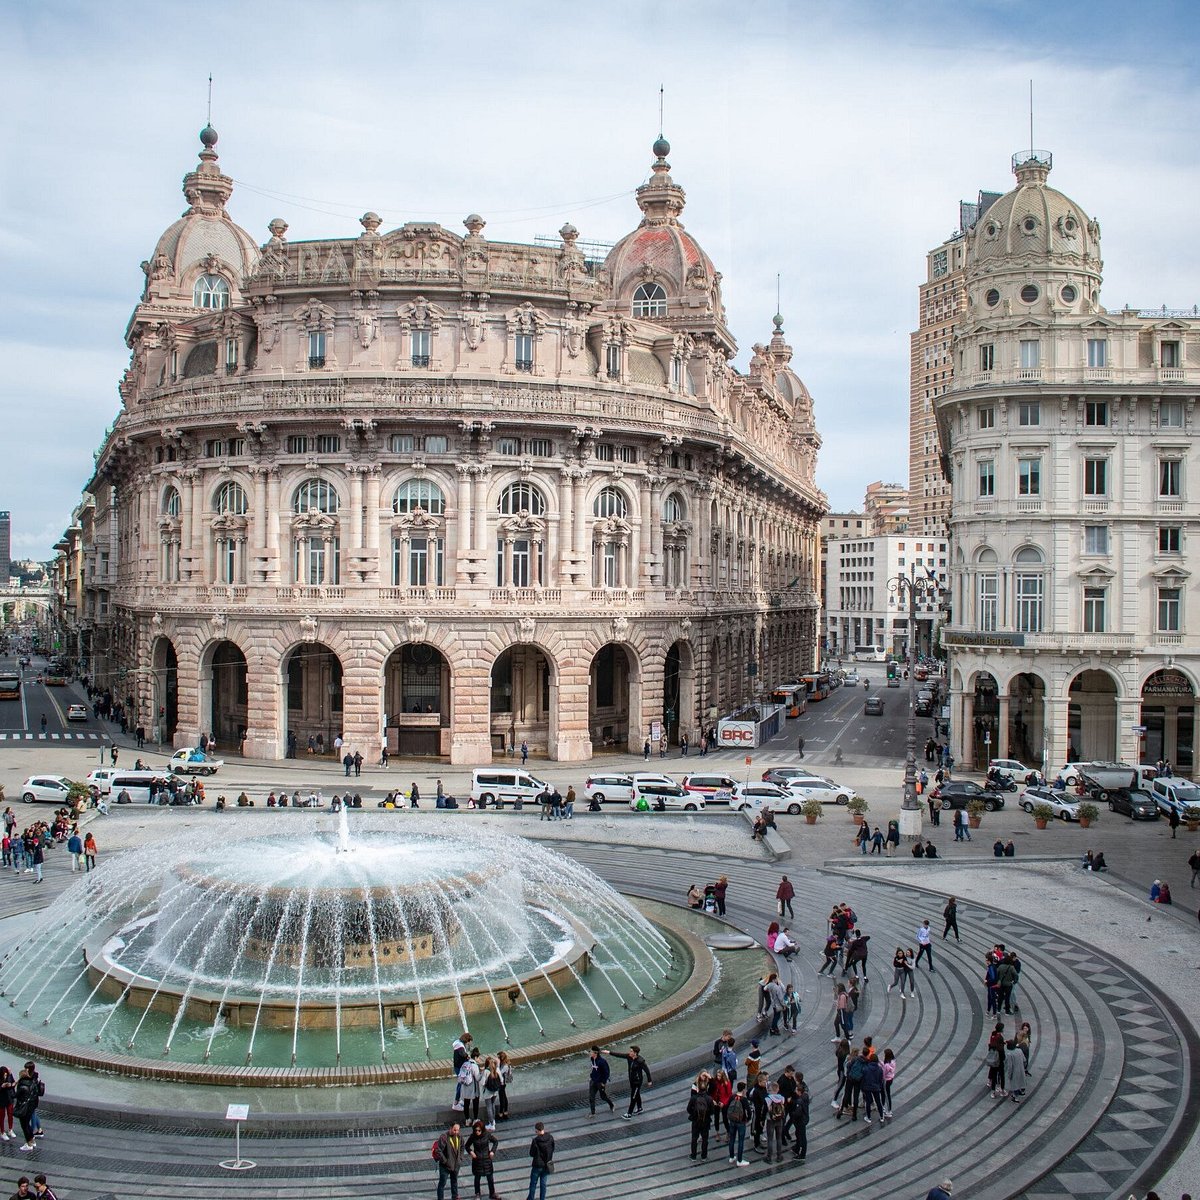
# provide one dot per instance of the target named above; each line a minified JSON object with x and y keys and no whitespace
{"x":737,"y":733}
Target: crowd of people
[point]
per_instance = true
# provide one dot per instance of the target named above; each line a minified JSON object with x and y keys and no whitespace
{"x":24,"y":851}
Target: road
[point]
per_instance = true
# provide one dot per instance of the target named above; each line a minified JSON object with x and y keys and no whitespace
{"x":21,"y":720}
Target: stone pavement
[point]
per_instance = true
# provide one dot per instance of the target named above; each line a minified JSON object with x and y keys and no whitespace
{"x":1108,"y":1108}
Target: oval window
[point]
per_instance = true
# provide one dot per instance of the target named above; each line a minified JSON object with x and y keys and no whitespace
{"x":992,"y":298}
{"x":1029,"y":225}
{"x":1069,"y":224}
{"x":1029,"y":293}
{"x":990,"y":230}
{"x":1069,"y":294}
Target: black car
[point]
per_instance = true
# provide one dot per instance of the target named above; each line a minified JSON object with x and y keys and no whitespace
{"x":958,"y":793}
{"x":1139,"y":806}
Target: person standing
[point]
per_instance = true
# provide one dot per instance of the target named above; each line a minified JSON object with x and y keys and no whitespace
{"x":902,"y":972}
{"x":506,"y":1077}
{"x":776,"y":1104}
{"x":719,"y":890}
{"x":1006,"y":980}
{"x":893,"y":838}
{"x":737,"y":1116}
{"x":924,"y":946}
{"x":447,"y":1153}
{"x":683,"y":745}
{"x":1194,"y":863}
{"x":89,"y":851}
{"x":800,"y":747}
{"x":469,"y":1077}
{"x":481,"y":1147}
{"x":950,"y":915}
{"x":569,"y":804}
{"x":358,"y":762}
{"x":25,"y":1104}
{"x":1172,"y":817}
{"x":854,"y":1075}
{"x":889,"y":1075}
{"x":541,"y":1154}
{"x":699,"y":1111}
{"x":786,"y":893}
{"x":646,"y":757}
{"x":598,"y":1080}
{"x":872,"y":1088}
{"x":524,"y":752}
{"x":995,"y":1061}
{"x":1014,"y":1071}
{"x":798,"y":1118}
{"x":639,"y":1074}
{"x":39,"y":858}
{"x":662,"y":746}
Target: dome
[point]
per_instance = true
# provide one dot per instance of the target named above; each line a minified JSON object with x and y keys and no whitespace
{"x":666,"y":254}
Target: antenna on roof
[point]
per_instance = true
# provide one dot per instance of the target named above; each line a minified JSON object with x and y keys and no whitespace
{"x":1031,"y":118}
{"x":210,"y":98}
{"x":778,"y":305}
{"x":660,"y":110}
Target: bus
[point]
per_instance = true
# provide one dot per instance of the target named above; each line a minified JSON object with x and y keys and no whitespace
{"x":793,"y":697}
{"x":869,"y":654}
{"x":10,"y":685}
{"x":818,"y":686}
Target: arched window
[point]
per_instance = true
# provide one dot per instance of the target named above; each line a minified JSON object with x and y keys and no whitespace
{"x":987,"y":613}
{"x":521,"y":497}
{"x":610,"y":503}
{"x":674,"y":509}
{"x":419,"y":493}
{"x":649,"y":301}
{"x":211,"y":291}
{"x":231,"y":499}
{"x":171,"y":504}
{"x":315,"y":494}
{"x":1029,"y":585}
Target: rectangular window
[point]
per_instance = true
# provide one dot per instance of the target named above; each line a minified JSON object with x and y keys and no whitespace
{"x":627,"y":454}
{"x":520,"y":563}
{"x":1170,"y":414}
{"x":1168,"y":609}
{"x":297,"y":443}
{"x":1029,"y":477}
{"x":540,"y":447}
{"x":436,"y":443}
{"x":1170,"y":539}
{"x":987,"y":417}
{"x":231,"y":355}
{"x":1029,"y":602}
{"x":523,"y":351}
{"x":1095,"y":601}
{"x":1095,"y":412}
{"x":1095,"y":539}
{"x":609,"y":577}
{"x":604,"y":452}
{"x":214,"y":449}
{"x":1095,"y":477}
{"x":1169,"y":354}
{"x":1097,"y":352}
{"x":987,"y":357}
{"x":987,"y":478}
{"x":426,"y":562}
{"x":229,"y":557}
{"x":174,"y":365}
{"x":1170,"y":478}
{"x":402,"y":443}
{"x":1029,"y":412}
{"x":989,"y":602}
{"x":316,"y":349}
{"x":1031,"y":355}
{"x":508,"y":445}
{"x":612,"y":361}
{"x":420,"y":347}
{"x":676,"y":373}
{"x":328,"y":443}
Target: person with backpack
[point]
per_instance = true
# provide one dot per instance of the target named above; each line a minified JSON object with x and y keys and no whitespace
{"x":469,"y":1078}
{"x":854,"y":1078}
{"x":26,"y":1102}
{"x":737,"y":1116}
{"x":872,"y":1087}
{"x":699,"y":1112}
{"x":461,"y":1050}
{"x":598,"y":1080}
{"x":481,"y":1147}
{"x":776,"y":1104}
{"x":541,"y":1154}
{"x":447,"y":1153}
{"x":491,"y":1092}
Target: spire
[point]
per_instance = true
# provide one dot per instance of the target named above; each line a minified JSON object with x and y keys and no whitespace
{"x":660,"y":198}
{"x":205,"y":188}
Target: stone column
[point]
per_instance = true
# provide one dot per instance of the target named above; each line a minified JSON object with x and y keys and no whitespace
{"x":480,"y":530}
{"x":189,"y":724}
{"x":362,"y":703}
{"x":654,"y":516}
{"x":577,"y":513}
{"x":565,"y":540}
{"x":1129,"y":714}
{"x":356,"y":509}
{"x":374,"y":477}
{"x":463,"y":538}
{"x":265,"y":732}
{"x":471,"y":703}
{"x":1001,"y":747}
{"x":273,"y":518}
{"x":1055,"y":736}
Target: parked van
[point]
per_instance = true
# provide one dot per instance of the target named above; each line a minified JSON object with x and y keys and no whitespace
{"x":660,"y":796}
{"x":137,"y":784}
{"x":101,"y":778}
{"x":1175,"y":795}
{"x":506,"y":785}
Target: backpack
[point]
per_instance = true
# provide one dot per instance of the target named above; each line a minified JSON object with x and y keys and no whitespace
{"x":434,"y":1151}
{"x":854,"y":1071}
{"x":737,"y":1111}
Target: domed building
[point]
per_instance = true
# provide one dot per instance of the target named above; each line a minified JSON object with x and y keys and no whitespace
{"x":1069,"y":434}
{"x":455,"y":494}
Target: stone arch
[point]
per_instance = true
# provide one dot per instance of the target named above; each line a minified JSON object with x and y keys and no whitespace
{"x":1026,"y":725}
{"x":310,"y":681}
{"x":523,"y":698}
{"x":1168,"y":715}
{"x":417,"y":700}
{"x":615,"y":698}
{"x":1093,"y":705}
{"x":679,"y":692}
{"x":985,"y":719}
{"x":224,"y":693}
{"x":164,"y":689}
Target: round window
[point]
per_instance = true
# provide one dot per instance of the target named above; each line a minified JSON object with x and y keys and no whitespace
{"x":1069,"y":224}
{"x":992,"y":298}
{"x":1029,"y":293}
{"x":1029,"y":224}
{"x":1069,"y":294}
{"x":990,"y":230}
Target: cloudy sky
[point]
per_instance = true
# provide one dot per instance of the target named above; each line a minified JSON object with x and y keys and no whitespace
{"x":828,"y":142}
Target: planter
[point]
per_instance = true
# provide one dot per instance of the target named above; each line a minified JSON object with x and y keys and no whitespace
{"x":1193,"y":826}
{"x":1039,"y":822}
{"x":811,"y":820}
{"x":974,"y":822}
{"x":1085,"y":822}
{"x":857,"y":818}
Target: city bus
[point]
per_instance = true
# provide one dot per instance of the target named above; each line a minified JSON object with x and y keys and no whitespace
{"x":869,"y":654}
{"x":818,"y":686}
{"x":793,"y":697}
{"x":10,"y":685}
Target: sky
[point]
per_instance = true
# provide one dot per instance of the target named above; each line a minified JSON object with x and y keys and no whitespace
{"x":828,"y":143}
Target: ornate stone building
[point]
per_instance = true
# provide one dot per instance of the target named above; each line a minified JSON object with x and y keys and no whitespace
{"x":454,"y":492}
{"x":1070,"y":432}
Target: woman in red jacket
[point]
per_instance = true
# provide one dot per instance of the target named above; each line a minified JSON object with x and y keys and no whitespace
{"x":721,"y":1091}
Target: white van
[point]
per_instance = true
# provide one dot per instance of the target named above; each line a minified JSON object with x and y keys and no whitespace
{"x":137,"y":784}
{"x":506,"y":785}
{"x":101,"y":779}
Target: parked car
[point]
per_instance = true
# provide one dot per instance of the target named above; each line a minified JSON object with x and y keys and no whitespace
{"x":1010,"y":766}
{"x":958,"y":793}
{"x":1137,"y":805}
{"x":923,"y":708}
{"x":1174,"y":795}
{"x":659,"y":796}
{"x":873,"y":707}
{"x":608,"y":787}
{"x":191,"y":761}
{"x":49,"y":789}
{"x":824,"y":790}
{"x":1066,"y":806}
{"x":505,"y":785}
{"x":783,"y":776}
{"x":708,"y":785}
{"x":763,"y":795}
{"x":101,"y":779}
{"x":77,"y":712}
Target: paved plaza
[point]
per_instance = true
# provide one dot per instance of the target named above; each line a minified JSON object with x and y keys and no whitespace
{"x":1110,"y":995}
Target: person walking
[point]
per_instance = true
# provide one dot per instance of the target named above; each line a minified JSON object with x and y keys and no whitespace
{"x":950,"y":916}
{"x":683,"y":745}
{"x":524,"y":752}
{"x":843,"y":1016}
{"x":893,"y":838}
{"x":89,"y":851}
{"x":1194,"y":863}
{"x":924,"y":945}
{"x":598,"y":1080}
{"x":1172,"y":816}
{"x":800,"y":747}
{"x":902,"y":972}
{"x":481,"y":1147}
{"x":639,"y":1073}
{"x":358,"y":762}
{"x":699,"y":1111}
{"x":863,"y":837}
{"x":8,"y":1098}
{"x":541,"y":1154}
{"x":786,"y":893}
{"x":646,"y":750}
{"x":856,"y":954}
{"x":877,"y":841}
{"x":737,"y":1116}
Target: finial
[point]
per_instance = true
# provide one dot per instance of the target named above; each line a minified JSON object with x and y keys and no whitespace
{"x":208,"y":137}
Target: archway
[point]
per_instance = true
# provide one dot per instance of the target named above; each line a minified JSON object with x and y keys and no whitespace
{"x":524,"y":700}
{"x":416,"y":701}
{"x":614,"y":701}
{"x":1168,"y":714}
{"x":164,"y":691}
{"x":1092,"y":717}
{"x":679,"y":693}
{"x":1027,"y":719}
{"x":986,"y":718}
{"x":225,"y":683}
{"x":312,"y":682}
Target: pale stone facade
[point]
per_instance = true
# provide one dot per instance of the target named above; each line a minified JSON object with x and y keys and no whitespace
{"x":456,"y":493}
{"x":1071,"y":436}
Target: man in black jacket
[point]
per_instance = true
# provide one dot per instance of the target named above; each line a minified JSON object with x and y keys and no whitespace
{"x":798,"y":1113}
{"x":856,"y":954}
{"x":699,"y":1111}
{"x":541,"y":1154}
{"x":757,"y":1097}
{"x":639,"y":1073}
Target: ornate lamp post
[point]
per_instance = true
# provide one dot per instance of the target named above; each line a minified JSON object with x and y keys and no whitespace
{"x":910,"y":589}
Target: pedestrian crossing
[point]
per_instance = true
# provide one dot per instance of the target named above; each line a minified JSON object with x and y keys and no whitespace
{"x":17,"y":736}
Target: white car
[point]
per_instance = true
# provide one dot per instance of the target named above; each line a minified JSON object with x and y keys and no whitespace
{"x":1175,"y":795}
{"x":1066,"y":806}
{"x":608,"y":787}
{"x":784,"y":775}
{"x":77,"y":712}
{"x":189,"y":761}
{"x":659,"y":797}
{"x":49,"y":789}
{"x":1011,"y":766}
{"x":851,"y":679}
{"x":762,"y":795}
{"x":824,"y":790}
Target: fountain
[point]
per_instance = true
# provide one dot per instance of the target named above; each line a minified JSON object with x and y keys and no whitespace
{"x":325,"y":954}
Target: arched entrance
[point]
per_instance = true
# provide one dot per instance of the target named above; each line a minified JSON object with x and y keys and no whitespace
{"x":312,"y":682}
{"x":986,"y":720}
{"x":1168,"y":713}
{"x":614,"y":701}
{"x":1027,"y":719}
{"x":164,"y":691}
{"x":1092,"y":717}
{"x":225,"y":683}
{"x":524,"y":700}
{"x":679,"y":693}
{"x":416,"y":701}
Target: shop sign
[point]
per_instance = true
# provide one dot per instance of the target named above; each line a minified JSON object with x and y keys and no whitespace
{"x":1167,"y":683}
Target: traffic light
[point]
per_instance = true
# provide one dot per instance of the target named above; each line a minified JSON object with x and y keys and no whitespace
{"x":891,"y":669}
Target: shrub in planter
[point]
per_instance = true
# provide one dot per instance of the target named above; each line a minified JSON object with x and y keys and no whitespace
{"x":812,"y":809}
{"x":1042,"y":814}
{"x":857,"y":807}
{"x":975,"y":810}
{"x":1087,"y":814}
{"x":1191,"y":814}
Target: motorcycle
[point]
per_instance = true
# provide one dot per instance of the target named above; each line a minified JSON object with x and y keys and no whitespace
{"x":997,"y":781}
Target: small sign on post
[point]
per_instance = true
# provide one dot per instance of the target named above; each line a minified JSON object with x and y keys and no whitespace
{"x":749,"y":760}
{"x":237,"y":1113}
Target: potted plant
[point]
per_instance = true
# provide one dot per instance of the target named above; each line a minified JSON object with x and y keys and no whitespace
{"x":1087,"y":814}
{"x":1042,"y":815}
{"x":1191,"y":814}
{"x":857,"y":807}
{"x":975,"y":810}
{"x":812,"y":809}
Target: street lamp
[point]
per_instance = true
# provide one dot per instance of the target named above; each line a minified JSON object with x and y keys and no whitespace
{"x":910,"y":589}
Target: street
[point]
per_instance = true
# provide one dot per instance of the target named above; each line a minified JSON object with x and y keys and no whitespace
{"x":21,"y":720}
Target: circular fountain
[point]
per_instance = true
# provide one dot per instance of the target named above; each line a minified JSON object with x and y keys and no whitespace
{"x":314,"y":954}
